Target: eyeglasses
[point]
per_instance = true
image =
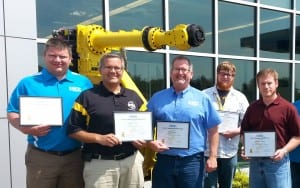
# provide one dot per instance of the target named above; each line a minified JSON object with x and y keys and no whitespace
{"x":223,"y":74}
{"x":183,"y":70}
{"x":110,"y":68}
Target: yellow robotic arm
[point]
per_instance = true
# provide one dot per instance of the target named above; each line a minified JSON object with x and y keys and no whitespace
{"x":90,"y":42}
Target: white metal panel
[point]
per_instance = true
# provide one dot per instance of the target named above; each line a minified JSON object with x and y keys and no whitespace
{"x":1,"y":18}
{"x":3,"y":87}
{"x":20,"y":18}
{"x":18,"y":145}
{"x":22,"y":60}
{"x":5,"y":161}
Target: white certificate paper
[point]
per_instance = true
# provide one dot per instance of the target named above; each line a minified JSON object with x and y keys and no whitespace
{"x":174,"y":134}
{"x":130,"y":126}
{"x":230,"y":120}
{"x":41,"y":111}
{"x":259,"y":144}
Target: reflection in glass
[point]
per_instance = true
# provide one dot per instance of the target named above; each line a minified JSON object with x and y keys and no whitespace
{"x":147,"y":71}
{"x":245,"y":77}
{"x":194,"y":12}
{"x":297,"y":54}
{"x":56,"y":14}
{"x":129,"y":15}
{"x":297,"y":5}
{"x":277,"y":3}
{"x":284,"y":77}
{"x":297,"y":82}
{"x":41,"y":63}
{"x":275,"y":34}
{"x":236,"y":32}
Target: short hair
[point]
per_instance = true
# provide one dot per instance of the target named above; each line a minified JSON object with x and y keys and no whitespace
{"x":58,"y":44}
{"x":111,"y":55}
{"x":266,"y":72}
{"x":182,"y":57}
{"x":227,"y":66}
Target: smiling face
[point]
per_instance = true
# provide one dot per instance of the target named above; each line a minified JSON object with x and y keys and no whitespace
{"x":57,"y":57}
{"x":111,"y":70}
{"x":181,"y":74}
{"x":57,"y":61}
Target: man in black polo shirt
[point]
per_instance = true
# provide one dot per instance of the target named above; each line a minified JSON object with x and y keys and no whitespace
{"x":108,"y":162}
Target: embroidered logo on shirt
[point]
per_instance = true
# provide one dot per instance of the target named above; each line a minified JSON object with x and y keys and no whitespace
{"x":193,"y":103}
{"x":75,"y":89}
{"x":131,"y":106}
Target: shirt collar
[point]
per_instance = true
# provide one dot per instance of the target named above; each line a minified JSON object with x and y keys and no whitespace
{"x":70,"y":76}
{"x":107,"y":92}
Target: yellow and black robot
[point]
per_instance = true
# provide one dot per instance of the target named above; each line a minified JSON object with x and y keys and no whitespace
{"x":90,"y":42}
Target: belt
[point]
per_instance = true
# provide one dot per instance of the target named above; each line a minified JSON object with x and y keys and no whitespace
{"x":58,"y":153}
{"x":117,"y":157}
{"x":177,"y":157}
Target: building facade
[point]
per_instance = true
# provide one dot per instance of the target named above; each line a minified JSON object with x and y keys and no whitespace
{"x":253,"y":34}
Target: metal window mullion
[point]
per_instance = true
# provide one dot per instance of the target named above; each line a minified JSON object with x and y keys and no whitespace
{"x":257,"y":20}
{"x":106,"y":14}
{"x":167,"y":54}
{"x":216,"y":31}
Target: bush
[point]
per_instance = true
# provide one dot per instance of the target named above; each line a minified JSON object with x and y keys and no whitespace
{"x":240,"y":180}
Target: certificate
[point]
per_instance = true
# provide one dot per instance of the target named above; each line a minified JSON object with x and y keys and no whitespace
{"x":41,"y":111}
{"x":259,"y":144}
{"x":230,"y":120}
{"x":174,"y":134}
{"x":130,"y":126}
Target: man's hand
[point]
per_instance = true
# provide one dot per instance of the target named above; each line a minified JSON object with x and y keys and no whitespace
{"x":279,"y":154}
{"x":38,"y":130}
{"x":139,"y":144}
{"x":109,"y":140}
{"x":211,"y":164}
{"x":157,"y":146}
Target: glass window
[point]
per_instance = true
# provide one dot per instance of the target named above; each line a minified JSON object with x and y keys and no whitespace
{"x":284,"y":78}
{"x":236,"y":32}
{"x":297,"y":82}
{"x":194,"y":12}
{"x":129,"y":14}
{"x":275,"y":34}
{"x":297,"y":5}
{"x":245,"y":77}
{"x":297,"y":55}
{"x":147,"y":71}
{"x":56,"y":14}
{"x":278,"y":3}
{"x":41,"y":56}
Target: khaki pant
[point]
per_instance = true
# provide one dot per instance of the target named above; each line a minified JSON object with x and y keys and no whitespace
{"x":125,"y":173}
{"x":46,"y":170}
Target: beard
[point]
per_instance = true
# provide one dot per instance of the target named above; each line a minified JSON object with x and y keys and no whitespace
{"x":225,"y":86}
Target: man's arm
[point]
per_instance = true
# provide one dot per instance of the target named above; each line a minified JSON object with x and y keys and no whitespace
{"x":291,"y":145}
{"x":213,"y":139}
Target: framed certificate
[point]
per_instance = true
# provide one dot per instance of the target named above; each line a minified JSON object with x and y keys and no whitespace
{"x":230,"y":120}
{"x":41,"y":111}
{"x":174,"y":134}
{"x":259,"y":144}
{"x":130,"y":126}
